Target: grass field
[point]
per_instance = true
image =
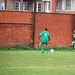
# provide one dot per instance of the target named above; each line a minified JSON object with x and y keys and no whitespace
{"x":35,"y":63}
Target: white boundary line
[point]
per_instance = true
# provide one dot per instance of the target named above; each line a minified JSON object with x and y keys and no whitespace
{"x":39,"y":67}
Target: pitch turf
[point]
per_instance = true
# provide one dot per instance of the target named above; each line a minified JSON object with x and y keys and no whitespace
{"x":35,"y":63}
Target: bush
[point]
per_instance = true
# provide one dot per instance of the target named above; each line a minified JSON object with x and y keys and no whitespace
{"x":23,"y":47}
{"x":16,"y":47}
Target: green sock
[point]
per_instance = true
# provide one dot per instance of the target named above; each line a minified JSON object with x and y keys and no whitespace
{"x":41,"y":47}
{"x":47,"y":49}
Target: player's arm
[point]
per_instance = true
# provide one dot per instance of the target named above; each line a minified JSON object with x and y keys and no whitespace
{"x":48,"y":36}
{"x":39,"y":35}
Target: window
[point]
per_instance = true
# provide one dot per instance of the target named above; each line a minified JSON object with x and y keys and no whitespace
{"x":57,"y":5}
{"x":2,"y":7}
{"x":66,"y":4}
{"x":47,"y":6}
{"x":25,"y":6}
{"x":17,"y":5}
{"x":73,"y":5}
{"x":38,"y":7}
{"x":63,"y":4}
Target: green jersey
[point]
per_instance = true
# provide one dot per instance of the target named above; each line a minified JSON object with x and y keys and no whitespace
{"x":45,"y":37}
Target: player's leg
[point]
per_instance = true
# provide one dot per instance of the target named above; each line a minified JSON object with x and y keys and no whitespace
{"x":41,"y":47}
{"x":72,"y":45}
{"x":47,"y":48}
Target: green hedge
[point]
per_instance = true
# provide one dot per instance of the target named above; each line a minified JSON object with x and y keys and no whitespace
{"x":23,"y":47}
{"x":16,"y":47}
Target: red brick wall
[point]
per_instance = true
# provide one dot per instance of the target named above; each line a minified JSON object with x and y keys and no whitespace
{"x":15,"y":17}
{"x":16,"y":28}
{"x":14,"y":34}
{"x":60,"y":27}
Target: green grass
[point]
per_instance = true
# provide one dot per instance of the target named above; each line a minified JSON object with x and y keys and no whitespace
{"x":60,"y":62}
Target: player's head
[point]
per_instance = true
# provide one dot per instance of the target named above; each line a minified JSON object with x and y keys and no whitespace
{"x":46,"y":29}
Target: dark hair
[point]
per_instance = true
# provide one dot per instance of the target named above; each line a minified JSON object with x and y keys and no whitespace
{"x":46,"y":29}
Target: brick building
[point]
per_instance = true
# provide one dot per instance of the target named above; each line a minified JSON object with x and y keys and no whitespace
{"x":50,"y":6}
{"x":28,"y":5}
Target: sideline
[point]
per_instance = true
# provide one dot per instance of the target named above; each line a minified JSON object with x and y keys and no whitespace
{"x":40,"y":67}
